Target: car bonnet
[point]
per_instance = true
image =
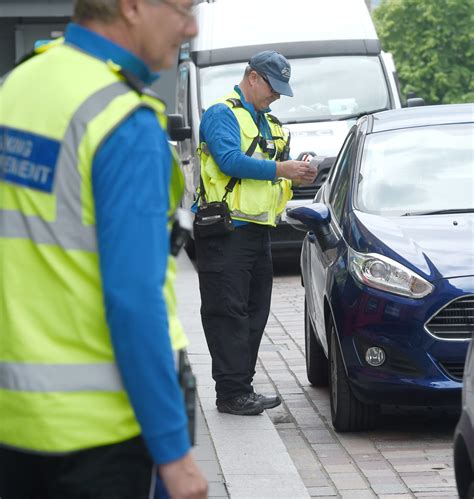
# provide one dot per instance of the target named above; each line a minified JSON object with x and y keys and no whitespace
{"x":435,"y":246}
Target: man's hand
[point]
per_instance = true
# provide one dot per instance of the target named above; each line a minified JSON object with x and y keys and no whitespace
{"x":301,"y":172}
{"x":183,"y":479}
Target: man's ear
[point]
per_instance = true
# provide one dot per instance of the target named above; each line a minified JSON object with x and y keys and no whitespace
{"x":130,"y":10}
{"x":253,"y":77}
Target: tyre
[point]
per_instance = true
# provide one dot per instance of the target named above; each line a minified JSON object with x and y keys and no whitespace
{"x":347,"y":412}
{"x":316,"y":360}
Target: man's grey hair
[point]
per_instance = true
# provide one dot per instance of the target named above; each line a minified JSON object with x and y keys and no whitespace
{"x":248,"y":70}
{"x":98,"y":10}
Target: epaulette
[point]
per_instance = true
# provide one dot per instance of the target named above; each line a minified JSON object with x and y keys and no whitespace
{"x":40,"y":49}
{"x":274,"y":119}
{"x":235,"y":102}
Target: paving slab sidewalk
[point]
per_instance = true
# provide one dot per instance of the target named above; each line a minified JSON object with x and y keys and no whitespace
{"x":242,"y":457}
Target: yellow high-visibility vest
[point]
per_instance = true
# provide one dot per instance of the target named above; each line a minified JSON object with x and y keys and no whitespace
{"x":60,"y":389}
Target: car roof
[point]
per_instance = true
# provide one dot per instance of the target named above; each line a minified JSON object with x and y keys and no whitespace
{"x":421,"y":116}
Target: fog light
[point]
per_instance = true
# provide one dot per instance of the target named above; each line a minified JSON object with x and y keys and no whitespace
{"x":375,"y":356}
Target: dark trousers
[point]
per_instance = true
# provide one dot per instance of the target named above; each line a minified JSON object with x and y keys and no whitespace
{"x":235,"y":279}
{"x":118,"y":471}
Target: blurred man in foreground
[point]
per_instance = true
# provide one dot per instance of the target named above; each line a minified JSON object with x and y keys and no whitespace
{"x":89,"y":398}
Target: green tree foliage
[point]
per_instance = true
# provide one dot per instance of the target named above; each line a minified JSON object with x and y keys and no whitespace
{"x":432,"y":43}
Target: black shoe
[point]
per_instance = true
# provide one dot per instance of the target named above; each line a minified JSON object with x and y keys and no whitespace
{"x":242,"y":405}
{"x":267,"y":402}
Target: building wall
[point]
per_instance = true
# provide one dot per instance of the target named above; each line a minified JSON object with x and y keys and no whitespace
{"x":7,"y":44}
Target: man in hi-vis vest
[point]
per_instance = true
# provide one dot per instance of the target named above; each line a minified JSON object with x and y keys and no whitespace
{"x":244,"y":162}
{"x":89,"y":398}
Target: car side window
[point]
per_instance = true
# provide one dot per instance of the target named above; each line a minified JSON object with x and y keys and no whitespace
{"x":340,"y":179}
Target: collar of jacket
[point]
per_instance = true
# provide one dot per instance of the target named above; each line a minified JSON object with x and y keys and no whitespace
{"x":258,"y":116}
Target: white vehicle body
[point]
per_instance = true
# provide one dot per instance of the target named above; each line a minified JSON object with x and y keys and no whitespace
{"x":338,"y":71}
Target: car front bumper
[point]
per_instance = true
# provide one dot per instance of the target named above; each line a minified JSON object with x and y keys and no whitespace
{"x":419,"y":369}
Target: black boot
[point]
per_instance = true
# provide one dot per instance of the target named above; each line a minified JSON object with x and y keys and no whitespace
{"x":242,"y":405}
{"x":267,"y":402}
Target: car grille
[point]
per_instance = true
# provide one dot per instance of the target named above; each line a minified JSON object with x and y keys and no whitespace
{"x":455,"y":321}
{"x":305,"y":192}
{"x":454,"y":369}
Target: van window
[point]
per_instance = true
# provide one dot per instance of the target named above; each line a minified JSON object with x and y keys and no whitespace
{"x":218,"y":81}
{"x":325,"y":88}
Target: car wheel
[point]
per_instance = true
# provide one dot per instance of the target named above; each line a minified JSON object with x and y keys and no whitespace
{"x":347,"y":412}
{"x":316,"y":361}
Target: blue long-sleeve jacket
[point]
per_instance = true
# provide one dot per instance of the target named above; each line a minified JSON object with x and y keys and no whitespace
{"x":130,"y":178}
{"x":221,"y":132}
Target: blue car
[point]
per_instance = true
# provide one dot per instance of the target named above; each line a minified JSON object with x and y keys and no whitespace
{"x":388,"y":264}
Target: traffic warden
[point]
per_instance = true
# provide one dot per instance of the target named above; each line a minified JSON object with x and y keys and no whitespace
{"x":89,"y":398}
{"x":244,"y":162}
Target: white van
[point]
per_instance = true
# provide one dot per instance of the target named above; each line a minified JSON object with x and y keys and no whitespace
{"x":338,"y":72}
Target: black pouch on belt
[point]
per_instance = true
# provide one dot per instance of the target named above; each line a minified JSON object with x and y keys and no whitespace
{"x":213,"y":219}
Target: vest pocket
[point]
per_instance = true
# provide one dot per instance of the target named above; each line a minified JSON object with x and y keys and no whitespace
{"x":284,"y":195}
{"x":252,"y":197}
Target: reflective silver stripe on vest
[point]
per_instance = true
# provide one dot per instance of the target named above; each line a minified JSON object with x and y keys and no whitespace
{"x":263,"y":217}
{"x":28,"y":377}
{"x":67,"y":231}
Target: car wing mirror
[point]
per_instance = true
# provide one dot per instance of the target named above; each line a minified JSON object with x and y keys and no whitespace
{"x":310,"y":217}
{"x":414,"y":101}
{"x":315,"y":218}
{"x":176,"y":129}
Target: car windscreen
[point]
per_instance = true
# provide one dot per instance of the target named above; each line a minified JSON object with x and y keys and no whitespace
{"x":325,"y":88}
{"x":417,"y":171}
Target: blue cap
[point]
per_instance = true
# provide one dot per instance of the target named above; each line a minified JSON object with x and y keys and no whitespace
{"x":275,"y":68}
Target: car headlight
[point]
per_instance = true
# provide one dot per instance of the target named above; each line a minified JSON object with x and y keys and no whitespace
{"x":380,"y":272}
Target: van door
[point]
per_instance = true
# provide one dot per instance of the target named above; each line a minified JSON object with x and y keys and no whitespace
{"x":186,"y":148}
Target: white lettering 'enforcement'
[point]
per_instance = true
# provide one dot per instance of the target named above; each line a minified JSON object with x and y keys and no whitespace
{"x":24,"y":169}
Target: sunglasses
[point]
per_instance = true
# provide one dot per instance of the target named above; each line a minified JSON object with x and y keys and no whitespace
{"x":265,"y":79}
{"x":186,"y":11}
